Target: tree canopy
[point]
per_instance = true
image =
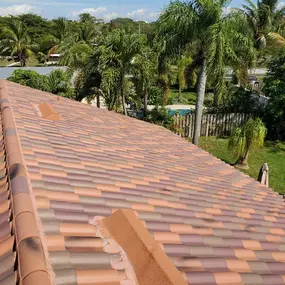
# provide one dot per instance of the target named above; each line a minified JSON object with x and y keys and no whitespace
{"x":183,"y":57}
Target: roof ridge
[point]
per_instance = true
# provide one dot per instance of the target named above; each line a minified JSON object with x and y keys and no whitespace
{"x":150,"y":262}
{"x":33,"y":265}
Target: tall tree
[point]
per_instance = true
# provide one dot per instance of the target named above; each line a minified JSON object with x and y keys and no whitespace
{"x":87,"y":33}
{"x":74,"y":54}
{"x":183,"y":62}
{"x":246,"y":53}
{"x":14,"y":40}
{"x":199,"y":22}
{"x":118,"y":54}
{"x":87,"y":18}
{"x":274,"y":88}
{"x":145,"y":74}
{"x":60,"y":31}
{"x":37,"y":27}
{"x":266,"y":20}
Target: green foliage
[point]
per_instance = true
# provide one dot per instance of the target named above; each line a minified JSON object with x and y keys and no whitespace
{"x":41,"y":57}
{"x":183,"y":62}
{"x":250,"y":136}
{"x":28,"y":78}
{"x":200,"y":29}
{"x":272,"y":153}
{"x":266,"y":20}
{"x":15,"y":41}
{"x":274,"y":88}
{"x":120,"y":68}
{"x":56,"y":82}
{"x":237,"y":142}
{"x":186,"y":97}
{"x":75,"y":54}
{"x":160,"y":116}
{"x":138,"y":63}
{"x":155,"y":95}
{"x":35,"y":25}
{"x":87,"y":18}
{"x":238,"y":100}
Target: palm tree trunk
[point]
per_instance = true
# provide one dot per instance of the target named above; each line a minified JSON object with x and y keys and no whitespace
{"x":98,"y":100}
{"x":123,"y":98}
{"x":180,"y":94}
{"x":244,"y":160}
{"x":242,"y":163}
{"x":200,"y":100}
{"x":145,"y":103}
{"x":123,"y":101}
{"x":216,"y":98}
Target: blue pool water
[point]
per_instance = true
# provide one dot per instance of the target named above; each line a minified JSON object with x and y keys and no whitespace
{"x":181,"y":112}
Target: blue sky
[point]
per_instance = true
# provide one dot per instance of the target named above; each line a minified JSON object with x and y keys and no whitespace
{"x":147,"y":10}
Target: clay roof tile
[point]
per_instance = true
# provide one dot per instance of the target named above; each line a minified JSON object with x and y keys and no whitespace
{"x":65,"y":166}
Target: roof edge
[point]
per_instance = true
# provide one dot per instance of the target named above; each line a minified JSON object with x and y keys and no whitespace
{"x":150,"y":262}
{"x":26,"y":223}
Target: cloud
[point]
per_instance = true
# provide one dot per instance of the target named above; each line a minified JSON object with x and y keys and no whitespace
{"x":154,"y":15}
{"x":92,"y":11}
{"x":280,"y":5}
{"x":109,"y":17}
{"x":100,"y":12}
{"x":227,"y":11}
{"x":18,"y":10}
{"x":137,"y":14}
{"x":143,"y":15}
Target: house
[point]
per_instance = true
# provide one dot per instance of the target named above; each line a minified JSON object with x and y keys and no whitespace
{"x":91,"y":197}
{"x":53,"y":58}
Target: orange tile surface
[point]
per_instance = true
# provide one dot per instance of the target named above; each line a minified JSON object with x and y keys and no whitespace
{"x":217,"y":225}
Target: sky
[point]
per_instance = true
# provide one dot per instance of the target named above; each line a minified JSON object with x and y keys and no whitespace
{"x":145,"y":10}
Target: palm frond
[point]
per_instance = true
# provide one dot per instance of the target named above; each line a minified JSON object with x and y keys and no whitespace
{"x":277,"y":38}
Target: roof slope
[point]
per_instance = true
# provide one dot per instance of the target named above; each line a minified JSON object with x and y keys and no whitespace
{"x":217,"y":225}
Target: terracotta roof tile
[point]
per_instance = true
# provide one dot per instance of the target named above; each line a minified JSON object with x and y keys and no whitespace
{"x":217,"y":225}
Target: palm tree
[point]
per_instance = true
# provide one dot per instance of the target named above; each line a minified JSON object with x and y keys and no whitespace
{"x":14,"y":40}
{"x":183,"y":62}
{"x":266,"y":20}
{"x":58,"y":82}
{"x":60,"y":32}
{"x":145,"y":74}
{"x":74,"y":54}
{"x":202,"y":24}
{"x":88,"y":33}
{"x":75,"y":49}
{"x":251,"y":135}
{"x":117,"y":58}
{"x":165,"y":73}
{"x":246,"y":53}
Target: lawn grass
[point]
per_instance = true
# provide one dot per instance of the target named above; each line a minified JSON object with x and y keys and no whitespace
{"x":4,"y":62}
{"x":32,"y":61}
{"x":272,"y":153}
{"x":188,"y":98}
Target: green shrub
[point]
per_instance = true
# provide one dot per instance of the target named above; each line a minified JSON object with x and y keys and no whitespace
{"x":29,"y":78}
{"x":274,"y":88}
{"x":250,"y":136}
{"x":160,"y":116}
{"x":58,"y":81}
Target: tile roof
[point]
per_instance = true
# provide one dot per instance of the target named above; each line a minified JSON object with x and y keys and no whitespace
{"x":217,"y":225}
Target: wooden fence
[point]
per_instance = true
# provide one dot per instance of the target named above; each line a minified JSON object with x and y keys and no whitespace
{"x":212,"y":124}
